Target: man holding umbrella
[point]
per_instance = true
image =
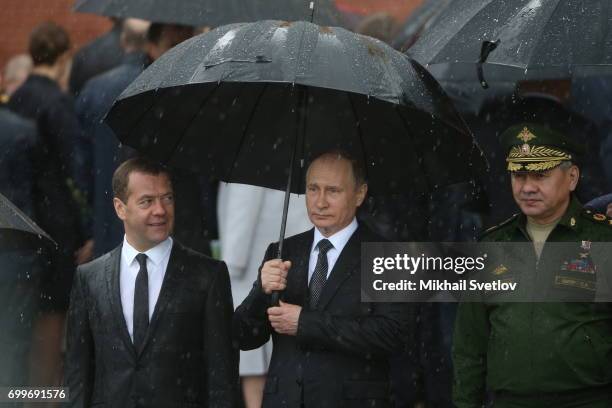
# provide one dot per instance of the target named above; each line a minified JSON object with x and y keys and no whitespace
{"x":329,"y":349}
{"x":540,"y":354}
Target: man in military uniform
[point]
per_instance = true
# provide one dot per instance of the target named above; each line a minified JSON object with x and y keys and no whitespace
{"x":540,"y":354}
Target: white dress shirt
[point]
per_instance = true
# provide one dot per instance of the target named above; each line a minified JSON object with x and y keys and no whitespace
{"x":338,"y":240}
{"x":157,"y":262}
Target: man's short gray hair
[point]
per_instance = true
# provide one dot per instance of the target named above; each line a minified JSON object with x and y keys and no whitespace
{"x":359,"y":173}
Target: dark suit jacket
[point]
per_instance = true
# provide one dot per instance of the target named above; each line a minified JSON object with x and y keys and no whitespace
{"x":59,"y":155}
{"x":187,"y":358}
{"x":339,"y":356}
{"x":98,"y":56}
{"x":17,"y":139}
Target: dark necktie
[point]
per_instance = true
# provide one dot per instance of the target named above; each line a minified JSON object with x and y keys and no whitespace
{"x":141,"y":302}
{"x":319,"y":276}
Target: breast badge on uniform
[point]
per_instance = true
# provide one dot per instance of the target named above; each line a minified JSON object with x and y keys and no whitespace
{"x":583,"y":263}
{"x":599,"y":217}
{"x":500,"y":270}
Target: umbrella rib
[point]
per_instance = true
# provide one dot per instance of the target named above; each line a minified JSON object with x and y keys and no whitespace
{"x":359,"y":132}
{"x":245,"y":131}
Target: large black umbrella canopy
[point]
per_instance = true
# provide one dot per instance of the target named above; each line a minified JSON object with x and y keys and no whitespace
{"x":17,"y":226}
{"x":241,"y":101}
{"x":212,"y":13}
{"x":517,"y":40}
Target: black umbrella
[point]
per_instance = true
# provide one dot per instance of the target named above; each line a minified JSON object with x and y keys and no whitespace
{"x":254,"y":103}
{"x":418,"y":22}
{"x":211,"y":13}
{"x":490,"y":40}
{"x":15,"y":225}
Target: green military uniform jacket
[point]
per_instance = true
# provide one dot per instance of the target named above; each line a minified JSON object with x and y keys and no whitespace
{"x":528,"y":349}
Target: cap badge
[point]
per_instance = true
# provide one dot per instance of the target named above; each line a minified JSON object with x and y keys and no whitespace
{"x":525,"y":135}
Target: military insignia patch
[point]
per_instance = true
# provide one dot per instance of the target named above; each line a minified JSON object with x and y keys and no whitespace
{"x":599,"y":217}
{"x":525,"y":135}
{"x":583,"y":264}
{"x":500,"y":270}
{"x":576,"y":283}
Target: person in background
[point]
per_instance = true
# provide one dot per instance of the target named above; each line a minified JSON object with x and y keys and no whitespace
{"x":601,"y":204}
{"x":15,"y":73}
{"x":60,"y":189}
{"x":96,"y":57}
{"x":20,"y":264}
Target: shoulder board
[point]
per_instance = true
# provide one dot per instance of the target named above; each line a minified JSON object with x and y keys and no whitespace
{"x":498,"y":226}
{"x":597,"y":217}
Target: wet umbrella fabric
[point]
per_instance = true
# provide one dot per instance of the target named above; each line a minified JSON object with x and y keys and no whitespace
{"x":418,"y":22}
{"x":15,"y":224}
{"x":517,"y":39}
{"x":240,"y":101}
{"x":211,"y":13}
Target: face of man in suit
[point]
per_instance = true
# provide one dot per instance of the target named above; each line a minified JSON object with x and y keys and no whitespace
{"x":332,"y":193}
{"x":148,"y":214}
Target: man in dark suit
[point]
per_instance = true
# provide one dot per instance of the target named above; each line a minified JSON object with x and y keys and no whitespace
{"x":149,"y":323}
{"x":21,"y":266}
{"x":329,"y":349}
{"x":98,"y":56}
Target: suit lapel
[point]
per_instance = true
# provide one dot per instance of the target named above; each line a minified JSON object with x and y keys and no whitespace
{"x":111,"y":272}
{"x":168,"y":289}
{"x":297,"y":278}
{"x":344,"y":267}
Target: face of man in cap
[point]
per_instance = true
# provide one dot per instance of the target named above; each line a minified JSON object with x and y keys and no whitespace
{"x":544,"y":195}
{"x":540,"y":160}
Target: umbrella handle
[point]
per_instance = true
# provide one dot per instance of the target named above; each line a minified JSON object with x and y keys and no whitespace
{"x":279,"y":252}
{"x":485,"y":50}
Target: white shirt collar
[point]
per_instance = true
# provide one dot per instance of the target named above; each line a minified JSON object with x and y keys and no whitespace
{"x":155,"y":254}
{"x":339,"y":239}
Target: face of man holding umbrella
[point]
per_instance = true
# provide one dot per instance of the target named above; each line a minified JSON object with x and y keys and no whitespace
{"x":335,"y":188}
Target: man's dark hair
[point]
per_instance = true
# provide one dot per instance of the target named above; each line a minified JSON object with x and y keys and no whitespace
{"x":154,"y":32}
{"x":48,"y":41}
{"x":359,"y":172}
{"x":121,"y":177}
{"x":175,"y":32}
